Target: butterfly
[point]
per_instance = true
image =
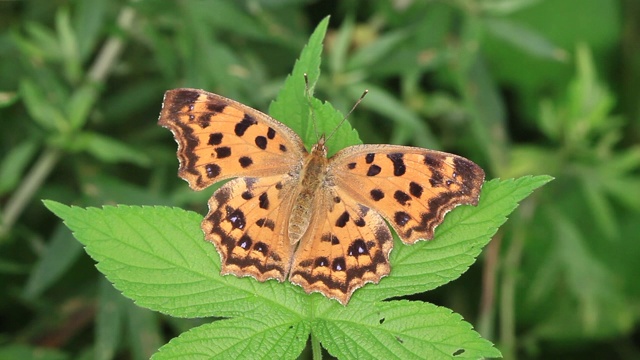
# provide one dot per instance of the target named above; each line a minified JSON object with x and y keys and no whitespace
{"x":292,"y":214}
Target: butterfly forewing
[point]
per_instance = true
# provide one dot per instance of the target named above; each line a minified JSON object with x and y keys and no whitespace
{"x":219,"y":138}
{"x":412,"y":188}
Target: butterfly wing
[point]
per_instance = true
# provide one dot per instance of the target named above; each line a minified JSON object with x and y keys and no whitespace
{"x":412,"y":188}
{"x":246,"y":222}
{"x":219,"y":138}
{"x":346,"y":246}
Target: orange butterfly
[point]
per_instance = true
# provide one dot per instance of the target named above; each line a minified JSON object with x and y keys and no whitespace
{"x":298,"y":215}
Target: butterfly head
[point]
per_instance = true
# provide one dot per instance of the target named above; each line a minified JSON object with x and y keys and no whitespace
{"x":320,"y":148}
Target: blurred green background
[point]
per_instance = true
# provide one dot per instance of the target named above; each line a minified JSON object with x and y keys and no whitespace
{"x":519,"y":86}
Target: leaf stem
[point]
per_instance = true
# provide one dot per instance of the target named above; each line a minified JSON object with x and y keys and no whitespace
{"x":316,"y":348}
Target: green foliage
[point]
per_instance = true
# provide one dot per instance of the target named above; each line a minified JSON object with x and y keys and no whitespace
{"x":157,"y":257}
{"x":520,"y":86}
{"x":135,"y":247}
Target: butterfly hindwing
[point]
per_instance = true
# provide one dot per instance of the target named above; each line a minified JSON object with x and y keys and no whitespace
{"x":412,"y":188}
{"x":246,"y":222}
{"x":346,"y":246}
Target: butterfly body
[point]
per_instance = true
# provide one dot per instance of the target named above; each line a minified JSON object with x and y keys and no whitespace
{"x":290,"y":214}
{"x":312,"y":179}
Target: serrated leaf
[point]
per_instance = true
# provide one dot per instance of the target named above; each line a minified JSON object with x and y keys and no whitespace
{"x":264,"y":337}
{"x":157,"y":257}
{"x":400,"y":330}
{"x":292,"y":104}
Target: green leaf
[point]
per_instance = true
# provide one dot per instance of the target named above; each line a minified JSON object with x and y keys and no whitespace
{"x":14,"y":163}
{"x":261,"y":337}
{"x":157,"y":257}
{"x":135,"y":246}
{"x":41,"y":111}
{"x":528,"y":40}
{"x":68,"y":45}
{"x":292,"y":104}
{"x":109,"y":149}
{"x":60,"y":253}
{"x":400,"y":330}
{"x":80,"y":104}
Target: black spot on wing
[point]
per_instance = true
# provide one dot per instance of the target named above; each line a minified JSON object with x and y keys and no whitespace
{"x":264,"y":201}
{"x":261,"y":142}
{"x":357,"y":248}
{"x":245,"y":162}
{"x":236,"y":218}
{"x":374,"y":170}
{"x":268,"y":223}
{"x":271,"y":133}
{"x":321,"y":262}
{"x":433,"y":160}
{"x":261,"y":248}
{"x":212,"y":170}
{"x":216,"y":107}
{"x":328,"y":237}
{"x":436,"y":178}
{"x":399,"y":167}
{"x":401,"y":197}
{"x":415,"y":189}
{"x":342,"y":220}
{"x":401,"y":218}
{"x":245,"y":242}
{"x":223,"y":152}
{"x":369,"y":158}
{"x":377,"y":194}
{"x":204,"y":120}
{"x":244,"y":124}
{"x":338,"y":264}
{"x":215,"y":139}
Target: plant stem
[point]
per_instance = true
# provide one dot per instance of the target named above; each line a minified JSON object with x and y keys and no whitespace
{"x":510,"y":272}
{"x":32,"y":181}
{"x":111,"y":48}
{"x":489,"y":275}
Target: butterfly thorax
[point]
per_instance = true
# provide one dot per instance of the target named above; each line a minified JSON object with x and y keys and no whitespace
{"x":312,"y":178}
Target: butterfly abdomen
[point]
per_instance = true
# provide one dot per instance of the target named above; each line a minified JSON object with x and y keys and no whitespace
{"x":311,"y":179}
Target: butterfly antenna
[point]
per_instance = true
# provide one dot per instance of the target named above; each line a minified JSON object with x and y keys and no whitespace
{"x":313,"y":113}
{"x":349,"y":113}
